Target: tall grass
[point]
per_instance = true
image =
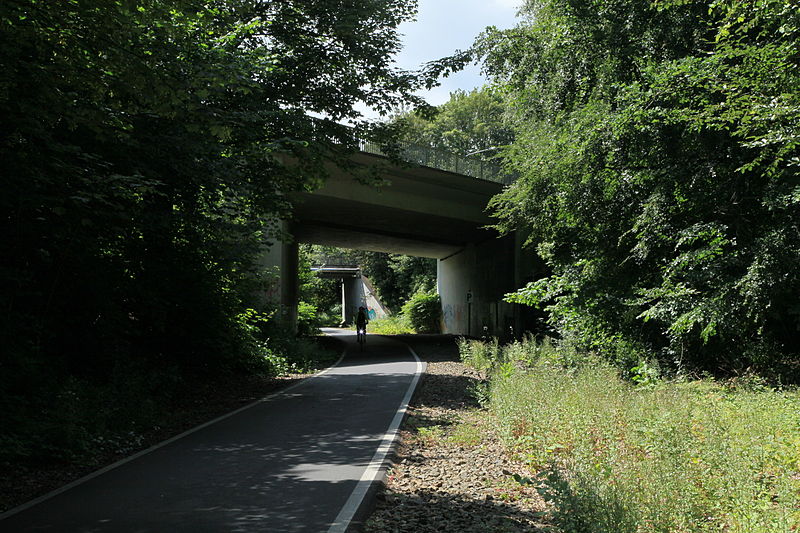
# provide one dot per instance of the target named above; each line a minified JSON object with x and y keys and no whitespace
{"x":693,"y":456}
{"x":390,"y":325}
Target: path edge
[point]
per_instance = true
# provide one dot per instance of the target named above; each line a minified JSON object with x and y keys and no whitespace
{"x":362,"y":500}
{"x":64,"y":488}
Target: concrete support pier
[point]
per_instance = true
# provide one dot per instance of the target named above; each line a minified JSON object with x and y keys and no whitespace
{"x":472,"y":284}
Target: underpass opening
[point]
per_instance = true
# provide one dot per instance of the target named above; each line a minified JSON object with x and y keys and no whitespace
{"x":428,"y":213}
{"x":380,"y":282}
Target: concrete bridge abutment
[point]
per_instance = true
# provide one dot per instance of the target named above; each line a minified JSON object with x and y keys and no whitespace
{"x":352,"y":298}
{"x":279,"y":270}
{"x":472,"y":283}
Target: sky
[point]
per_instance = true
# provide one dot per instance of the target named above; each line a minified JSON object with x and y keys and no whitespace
{"x":441,"y":28}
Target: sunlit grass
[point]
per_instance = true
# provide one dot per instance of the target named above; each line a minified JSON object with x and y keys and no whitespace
{"x":689,"y":456}
{"x":469,"y":431}
{"x":390,"y":325}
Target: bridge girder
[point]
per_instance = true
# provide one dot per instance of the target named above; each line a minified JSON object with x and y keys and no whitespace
{"x":420,"y":211}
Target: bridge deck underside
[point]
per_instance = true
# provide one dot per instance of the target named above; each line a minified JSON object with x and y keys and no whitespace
{"x":337,"y":272}
{"x":349,"y":224}
{"x":421,"y":212}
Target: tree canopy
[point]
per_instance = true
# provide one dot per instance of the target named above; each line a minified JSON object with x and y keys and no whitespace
{"x":469,"y":123}
{"x":657,"y":148}
{"x":148,"y":149}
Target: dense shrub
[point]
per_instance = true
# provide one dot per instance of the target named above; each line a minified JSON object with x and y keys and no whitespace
{"x":657,"y":151}
{"x":308,"y":319}
{"x":277,"y":349}
{"x":147,"y":153}
{"x":424,"y":312}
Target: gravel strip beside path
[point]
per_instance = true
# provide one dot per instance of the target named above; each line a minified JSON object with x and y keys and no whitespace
{"x":452,"y":474}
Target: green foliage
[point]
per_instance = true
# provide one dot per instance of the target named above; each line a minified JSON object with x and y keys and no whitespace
{"x":406,"y":276}
{"x":657,"y":148}
{"x":468,"y":432}
{"x":615,"y":456}
{"x":480,"y":355}
{"x":468,"y":123}
{"x":295,"y":355}
{"x":490,"y":357}
{"x":424,"y":312}
{"x":396,"y":277}
{"x":78,"y":419}
{"x":307,"y":318}
{"x":320,"y":298}
{"x":324,"y":293}
{"x":275,"y":349}
{"x":148,"y":152}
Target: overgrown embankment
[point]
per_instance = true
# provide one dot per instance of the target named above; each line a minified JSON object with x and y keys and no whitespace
{"x":148,"y":152}
{"x":620,"y":456}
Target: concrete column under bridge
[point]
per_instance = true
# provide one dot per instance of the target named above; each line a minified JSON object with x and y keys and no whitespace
{"x":357,"y":291}
{"x":472,"y":283}
{"x":278,"y":267}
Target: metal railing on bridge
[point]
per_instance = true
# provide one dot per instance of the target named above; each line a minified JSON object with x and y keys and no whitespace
{"x":335,"y":266}
{"x":442,"y":160}
{"x":428,"y":156}
{"x":333,"y":261}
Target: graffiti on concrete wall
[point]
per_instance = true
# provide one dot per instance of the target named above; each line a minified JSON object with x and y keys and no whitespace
{"x":453,"y":316}
{"x":372,"y":314}
{"x":272,"y":293}
{"x":448,"y":316}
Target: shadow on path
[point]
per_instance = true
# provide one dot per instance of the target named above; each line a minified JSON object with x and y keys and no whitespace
{"x":288,"y":463}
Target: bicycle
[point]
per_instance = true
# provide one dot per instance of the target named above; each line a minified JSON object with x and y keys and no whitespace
{"x":361,"y":337}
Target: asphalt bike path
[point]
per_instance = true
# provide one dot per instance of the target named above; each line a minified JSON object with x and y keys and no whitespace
{"x":301,"y":460}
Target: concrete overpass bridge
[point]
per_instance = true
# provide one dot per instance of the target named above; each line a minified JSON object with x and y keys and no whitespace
{"x":421,"y":211}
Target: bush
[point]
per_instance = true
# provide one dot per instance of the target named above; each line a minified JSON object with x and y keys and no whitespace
{"x":71,"y":419}
{"x":288,"y":355}
{"x":657,"y":192}
{"x":276,"y":350}
{"x":424,"y":312}
{"x":308,"y":319}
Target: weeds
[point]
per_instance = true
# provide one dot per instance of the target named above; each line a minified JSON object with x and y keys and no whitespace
{"x":294,"y":355}
{"x":482,"y":356}
{"x":645,"y":455}
{"x":468,"y":432}
{"x":479,"y":390}
{"x":430,"y":433}
{"x":391,"y":325}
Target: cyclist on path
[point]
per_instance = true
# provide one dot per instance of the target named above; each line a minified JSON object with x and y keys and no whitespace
{"x":361,"y":320}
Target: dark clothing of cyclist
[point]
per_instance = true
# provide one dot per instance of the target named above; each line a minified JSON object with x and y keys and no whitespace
{"x":361,"y":319}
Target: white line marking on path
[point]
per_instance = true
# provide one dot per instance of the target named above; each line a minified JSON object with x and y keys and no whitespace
{"x":153,"y":448}
{"x":345,"y":516}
